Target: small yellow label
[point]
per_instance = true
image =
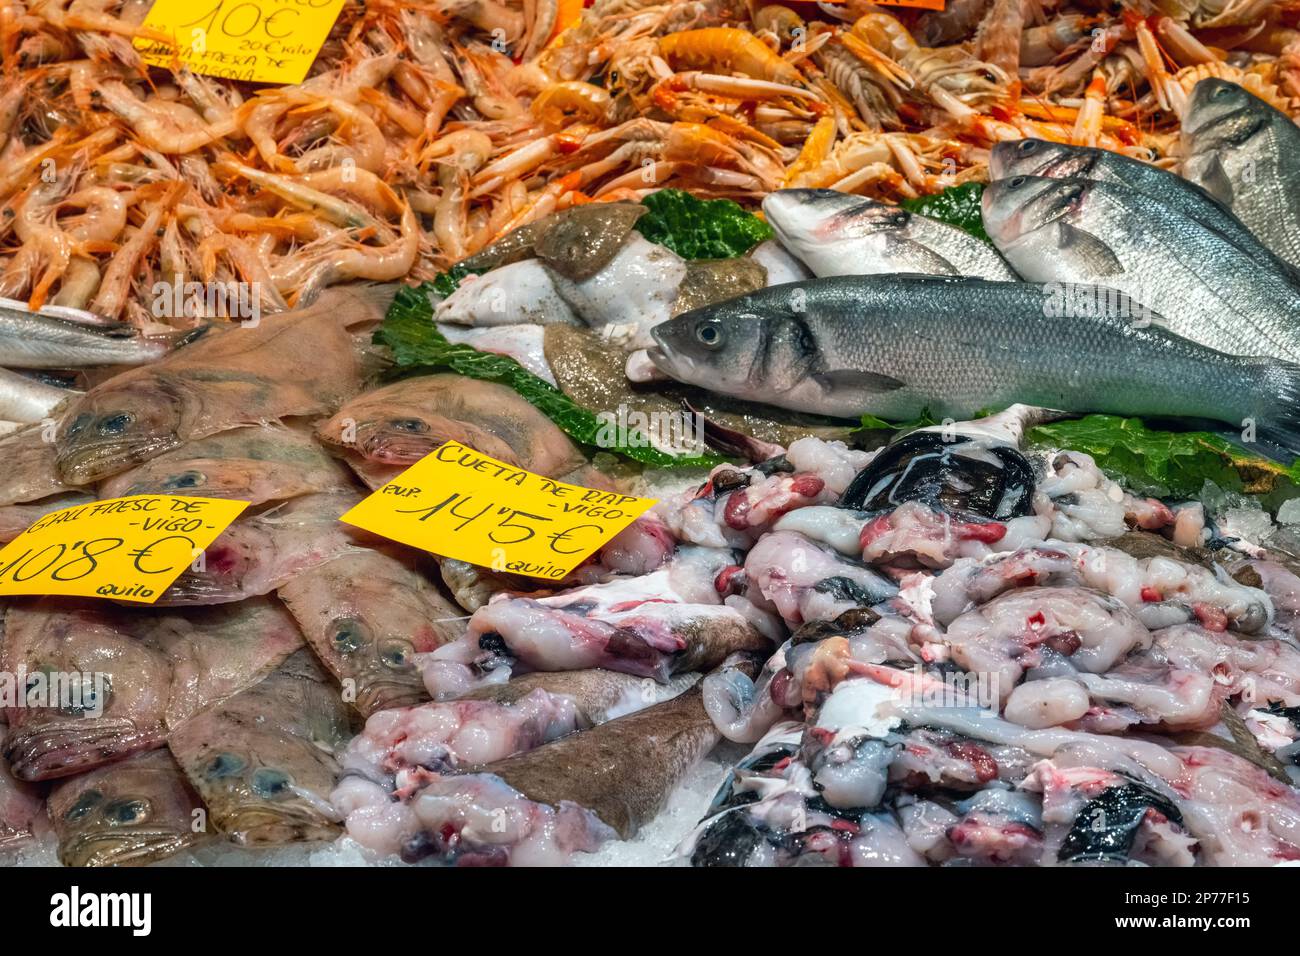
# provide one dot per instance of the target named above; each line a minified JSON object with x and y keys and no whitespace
{"x":263,"y":41}
{"x":126,"y":549}
{"x":462,"y":504}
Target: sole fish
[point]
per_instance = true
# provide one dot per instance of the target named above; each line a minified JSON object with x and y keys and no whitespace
{"x":367,"y":615}
{"x":257,"y":464}
{"x":21,"y":806}
{"x":570,"y":795}
{"x":383,"y":432}
{"x":265,"y":551}
{"x":298,"y":363}
{"x":263,"y":761}
{"x":147,"y":672}
{"x":129,"y":813}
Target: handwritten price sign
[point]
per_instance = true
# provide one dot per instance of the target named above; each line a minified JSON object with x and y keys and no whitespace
{"x":466,"y":505}
{"x":126,"y":549}
{"x":265,"y":41}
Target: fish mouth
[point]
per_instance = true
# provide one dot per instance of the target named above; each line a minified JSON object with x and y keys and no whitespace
{"x":80,"y":462}
{"x":391,"y":447}
{"x":44,"y":753}
{"x":257,"y":824}
{"x":667,"y":360}
{"x":124,"y":848}
{"x":391,"y":692}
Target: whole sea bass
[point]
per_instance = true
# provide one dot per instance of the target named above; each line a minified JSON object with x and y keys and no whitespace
{"x":1247,"y":154}
{"x":840,"y":234}
{"x":298,"y":363}
{"x":1205,"y":287}
{"x":896,"y":345}
{"x":1038,"y":157}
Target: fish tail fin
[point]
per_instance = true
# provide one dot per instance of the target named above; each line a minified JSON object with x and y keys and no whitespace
{"x":1277,"y":421}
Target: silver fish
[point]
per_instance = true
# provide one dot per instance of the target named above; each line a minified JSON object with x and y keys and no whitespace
{"x":50,"y":340}
{"x":895,"y":345}
{"x":1247,"y":154}
{"x":1205,"y":286}
{"x":840,"y":234}
{"x":1038,"y":157}
{"x":26,"y":400}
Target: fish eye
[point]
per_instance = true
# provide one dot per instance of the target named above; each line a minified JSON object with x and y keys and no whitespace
{"x":225,"y":765}
{"x":126,"y":812}
{"x":395,"y":654}
{"x":989,"y":77}
{"x":1015,"y":182}
{"x":115,"y":424}
{"x":1027,"y":146}
{"x":409,"y":425}
{"x":1220,"y":92}
{"x":79,"y":423}
{"x":87,"y":699}
{"x":348,"y":634}
{"x":709,"y":334}
{"x":186,"y":479}
{"x":270,"y":783}
{"x":85,"y":803}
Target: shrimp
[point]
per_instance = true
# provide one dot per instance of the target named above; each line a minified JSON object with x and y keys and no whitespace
{"x":955,"y":81}
{"x":246,"y":263}
{"x":469,"y":151}
{"x":727,"y":49}
{"x":111,"y":298}
{"x":559,"y":102}
{"x":366,"y":150}
{"x":296,"y":192}
{"x":815,"y":151}
{"x":353,"y":260}
{"x":167,"y":127}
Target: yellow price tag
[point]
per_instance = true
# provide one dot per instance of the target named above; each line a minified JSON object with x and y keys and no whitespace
{"x":462,"y":504}
{"x":263,"y":41}
{"x":126,"y":549}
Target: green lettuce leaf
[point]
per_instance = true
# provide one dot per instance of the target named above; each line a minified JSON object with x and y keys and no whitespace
{"x":1167,"y":464}
{"x":700,"y":228}
{"x":872,"y":423}
{"x":419,"y":348}
{"x":957,"y":206}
